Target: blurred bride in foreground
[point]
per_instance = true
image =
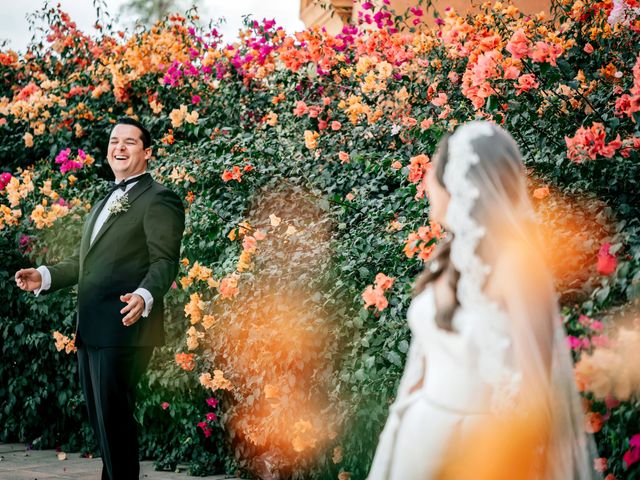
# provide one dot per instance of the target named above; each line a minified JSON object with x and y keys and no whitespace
{"x":488,"y":388}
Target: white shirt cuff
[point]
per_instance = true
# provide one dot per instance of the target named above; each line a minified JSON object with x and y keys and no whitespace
{"x":148,"y":300}
{"x":46,"y":280}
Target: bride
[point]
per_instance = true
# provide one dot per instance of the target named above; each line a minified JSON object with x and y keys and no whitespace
{"x":488,"y":348}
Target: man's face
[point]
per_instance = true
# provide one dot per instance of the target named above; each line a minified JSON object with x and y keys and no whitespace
{"x":126,"y":154}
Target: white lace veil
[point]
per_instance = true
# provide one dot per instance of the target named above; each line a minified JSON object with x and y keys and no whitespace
{"x":489,"y":214}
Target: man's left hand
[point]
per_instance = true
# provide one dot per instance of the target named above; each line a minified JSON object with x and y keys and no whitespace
{"x":133,"y":309}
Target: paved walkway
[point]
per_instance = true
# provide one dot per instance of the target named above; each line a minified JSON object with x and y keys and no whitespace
{"x":18,"y":463}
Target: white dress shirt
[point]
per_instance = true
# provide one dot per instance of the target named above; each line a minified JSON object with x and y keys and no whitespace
{"x":100,"y":221}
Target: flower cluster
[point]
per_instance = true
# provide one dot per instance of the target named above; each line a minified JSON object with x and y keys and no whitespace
{"x":374,"y":295}
{"x":186,"y":361}
{"x":217,"y":382}
{"x":68,"y":163}
{"x":423,"y":242}
{"x":64,"y":343}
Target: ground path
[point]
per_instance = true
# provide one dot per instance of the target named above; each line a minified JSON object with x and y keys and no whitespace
{"x":18,"y":463}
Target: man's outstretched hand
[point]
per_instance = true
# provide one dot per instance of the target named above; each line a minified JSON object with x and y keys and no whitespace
{"x":133,"y":309}
{"x":28,"y":279}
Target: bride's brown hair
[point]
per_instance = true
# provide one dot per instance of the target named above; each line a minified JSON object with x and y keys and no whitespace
{"x":440,"y":264}
{"x":503,"y":154}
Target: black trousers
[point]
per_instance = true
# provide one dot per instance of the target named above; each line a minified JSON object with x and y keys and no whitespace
{"x":109,"y":376}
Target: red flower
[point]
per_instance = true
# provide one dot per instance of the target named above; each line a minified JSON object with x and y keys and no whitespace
{"x":607,"y":262}
{"x":164,"y":405}
{"x":593,"y":422}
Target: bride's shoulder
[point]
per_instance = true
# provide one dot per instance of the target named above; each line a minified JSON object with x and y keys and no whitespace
{"x":517,"y":267}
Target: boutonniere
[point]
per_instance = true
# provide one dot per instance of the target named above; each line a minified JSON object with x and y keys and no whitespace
{"x":121,"y":205}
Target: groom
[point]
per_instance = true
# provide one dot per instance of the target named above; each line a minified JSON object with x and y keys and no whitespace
{"x":126,"y":261}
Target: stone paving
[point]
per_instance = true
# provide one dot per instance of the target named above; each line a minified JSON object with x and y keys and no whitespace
{"x":18,"y":463}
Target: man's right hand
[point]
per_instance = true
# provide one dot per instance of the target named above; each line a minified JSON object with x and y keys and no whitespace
{"x":28,"y":279}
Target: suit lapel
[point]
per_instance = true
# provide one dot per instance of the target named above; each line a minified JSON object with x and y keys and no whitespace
{"x":138,"y":189}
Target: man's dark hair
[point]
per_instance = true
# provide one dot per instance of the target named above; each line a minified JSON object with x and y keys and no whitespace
{"x":146,"y":136}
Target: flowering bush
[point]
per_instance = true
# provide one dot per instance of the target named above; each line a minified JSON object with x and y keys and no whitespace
{"x":300,"y":159}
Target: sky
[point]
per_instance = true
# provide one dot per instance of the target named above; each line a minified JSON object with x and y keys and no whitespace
{"x":14,"y":26}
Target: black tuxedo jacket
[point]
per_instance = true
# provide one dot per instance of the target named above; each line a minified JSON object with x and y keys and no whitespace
{"x":136,"y":248}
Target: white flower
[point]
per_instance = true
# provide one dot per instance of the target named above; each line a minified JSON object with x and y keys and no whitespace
{"x":121,"y":205}
{"x":622,"y":13}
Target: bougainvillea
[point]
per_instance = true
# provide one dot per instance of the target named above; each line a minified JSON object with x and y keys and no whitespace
{"x":300,"y":158}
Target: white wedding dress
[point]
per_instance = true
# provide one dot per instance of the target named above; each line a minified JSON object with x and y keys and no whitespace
{"x":458,"y":372}
{"x":476,"y":370}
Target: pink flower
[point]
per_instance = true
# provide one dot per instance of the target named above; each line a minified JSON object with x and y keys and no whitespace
{"x":600,"y":341}
{"x":417,"y":11}
{"x":627,"y":105}
{"x":526,"y":82}
{"x":211,"y":416}
{"x":600,"y":464}
{"x":343,"y":156}
{"x":212,"y":402}
{"x":545,"y":52}
{"x":314,"y":111}
{"x":336,"y":125}
{"x":611,"y":402}
{"x":607,"y":262}
{"x":518,"y":46}
{"x":301,"y":109}
{"x":195,"y":99}
{"x":367,"y":6}
{"x":164,"y":405}
{"x":596,"y":326}
{"x":574,"y":342}
{"x":588,"y":48}
{"x":511,"y":72}
{"x":584,"y":320}
{"x":440,"y":100}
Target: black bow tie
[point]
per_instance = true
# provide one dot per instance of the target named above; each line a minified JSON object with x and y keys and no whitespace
{"x":113,"y":186}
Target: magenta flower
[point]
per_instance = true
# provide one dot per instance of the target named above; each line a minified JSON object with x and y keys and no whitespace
{"x":211,"y":416}
{"x":212,"y":402}
{"x":417,"y":11}
{"x":5,"y":178}
{"x":574,"y":342}
{"x":196,"y":99}
{"x":367,"y":6}
{"x":632,"y":455}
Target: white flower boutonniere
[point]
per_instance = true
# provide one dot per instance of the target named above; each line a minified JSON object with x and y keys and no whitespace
{"x":119,"y":206}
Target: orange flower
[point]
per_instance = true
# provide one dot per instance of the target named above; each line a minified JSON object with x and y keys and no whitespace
{"x":418,"y":166}
{"x":28,"y":140}
{"x":229,"y":286}
{"x":593,"y":422}
{"x":185,"y":361}
{"x":541,"y":193}
{"x":343,"y":156}
{"x":383,"y":281}
{"x":311,"y":139}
